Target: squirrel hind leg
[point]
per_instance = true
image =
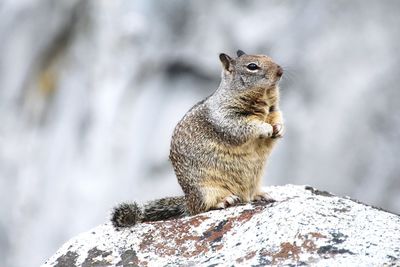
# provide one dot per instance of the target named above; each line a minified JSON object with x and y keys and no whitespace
{"x":126,"y":215}
{"x":263,"y":197}
{"x":216,"y":197}
{"x":228,"y":202}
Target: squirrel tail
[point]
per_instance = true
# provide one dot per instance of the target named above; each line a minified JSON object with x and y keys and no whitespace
{"x":128,"y":214}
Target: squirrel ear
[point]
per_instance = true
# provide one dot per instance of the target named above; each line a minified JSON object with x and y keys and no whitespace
{"x":226,"y":61}
{"x":240,"y":53}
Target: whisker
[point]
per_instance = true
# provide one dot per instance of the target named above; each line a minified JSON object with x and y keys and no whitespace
{"x":289,"y":75}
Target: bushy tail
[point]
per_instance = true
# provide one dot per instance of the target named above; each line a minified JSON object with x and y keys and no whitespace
{"x":128,"y":214}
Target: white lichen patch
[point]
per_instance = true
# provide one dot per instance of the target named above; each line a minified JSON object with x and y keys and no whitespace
{"x":304,"y":226}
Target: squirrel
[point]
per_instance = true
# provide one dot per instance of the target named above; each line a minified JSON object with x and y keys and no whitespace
{"x":220,"y":147}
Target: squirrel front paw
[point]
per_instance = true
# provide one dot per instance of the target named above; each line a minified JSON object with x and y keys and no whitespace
{"x":278,"y":130}
{"x":266,"y":130}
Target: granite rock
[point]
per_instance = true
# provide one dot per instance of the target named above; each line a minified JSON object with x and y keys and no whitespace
{"x":305,"y":226}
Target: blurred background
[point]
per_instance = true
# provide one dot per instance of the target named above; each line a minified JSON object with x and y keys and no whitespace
{"x":90,"y":91}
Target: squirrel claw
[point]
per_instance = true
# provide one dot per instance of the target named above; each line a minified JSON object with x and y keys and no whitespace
{"x":228,"y":201}
{"x":278,"y":130}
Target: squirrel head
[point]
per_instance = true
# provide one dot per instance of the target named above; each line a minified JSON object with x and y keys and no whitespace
{"x":250,"y":71}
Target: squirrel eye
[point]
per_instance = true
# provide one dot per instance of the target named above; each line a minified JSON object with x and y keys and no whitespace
{"x":252,"y":66}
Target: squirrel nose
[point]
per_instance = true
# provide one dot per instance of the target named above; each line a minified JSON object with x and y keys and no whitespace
{"x":279,"y":72}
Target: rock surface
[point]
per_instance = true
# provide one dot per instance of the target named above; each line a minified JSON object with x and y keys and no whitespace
{"x":304,"y":227}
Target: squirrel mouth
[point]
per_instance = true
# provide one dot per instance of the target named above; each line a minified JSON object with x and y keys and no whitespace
{"x":275,"y":82}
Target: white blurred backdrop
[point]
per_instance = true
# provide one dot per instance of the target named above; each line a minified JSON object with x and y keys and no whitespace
{"x":90,"y":91}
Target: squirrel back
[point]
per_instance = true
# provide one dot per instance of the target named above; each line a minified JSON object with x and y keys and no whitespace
{"x":219,"y":148}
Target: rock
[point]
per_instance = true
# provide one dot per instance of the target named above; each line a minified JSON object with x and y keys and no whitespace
{"x":304,"y":227}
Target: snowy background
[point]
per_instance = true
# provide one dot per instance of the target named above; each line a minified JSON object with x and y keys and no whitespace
{"x":90,"y":91}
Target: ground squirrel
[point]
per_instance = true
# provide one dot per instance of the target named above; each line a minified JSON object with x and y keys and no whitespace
{"x":220,"y":147}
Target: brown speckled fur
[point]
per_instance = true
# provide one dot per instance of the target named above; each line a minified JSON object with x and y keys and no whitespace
{"x":220,"y":147}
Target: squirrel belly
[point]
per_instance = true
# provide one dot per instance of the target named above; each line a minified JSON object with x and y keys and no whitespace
{"x":220,"y":147}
